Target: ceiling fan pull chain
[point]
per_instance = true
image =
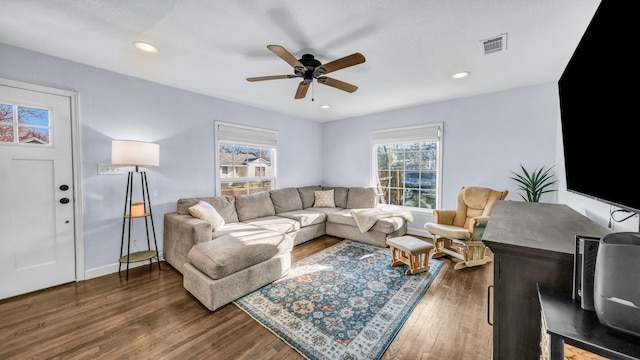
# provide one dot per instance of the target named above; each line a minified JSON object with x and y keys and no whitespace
{"x":313,"y":94}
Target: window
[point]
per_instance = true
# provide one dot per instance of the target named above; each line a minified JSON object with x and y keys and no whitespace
{"x":406,"y":165}
{"x":246,"y":159}
{"x":24,"y":125}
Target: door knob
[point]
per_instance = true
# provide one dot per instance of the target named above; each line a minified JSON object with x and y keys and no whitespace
{"x":64,"y":187}
{"x":64,"y":200}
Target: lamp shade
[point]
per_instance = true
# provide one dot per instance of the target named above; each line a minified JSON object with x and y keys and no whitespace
{"x":135,"y":153}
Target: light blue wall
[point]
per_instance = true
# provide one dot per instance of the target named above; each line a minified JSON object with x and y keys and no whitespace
{"x":485,"y":137}
{"x":113,"y":106}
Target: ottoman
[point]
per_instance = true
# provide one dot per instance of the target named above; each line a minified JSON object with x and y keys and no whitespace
{"x":407,"y":250}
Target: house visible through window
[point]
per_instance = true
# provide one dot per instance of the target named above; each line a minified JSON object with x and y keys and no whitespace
{"x":24,"y":125}
{"x":245,"y":159}
{"x":406,"y":164}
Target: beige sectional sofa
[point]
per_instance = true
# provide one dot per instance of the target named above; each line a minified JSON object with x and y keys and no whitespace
{"x":253,"y":247}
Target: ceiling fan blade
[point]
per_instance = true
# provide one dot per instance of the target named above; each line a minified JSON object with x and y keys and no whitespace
{"x":337,"y":84}
{"x":353,"y":59}
{"x":271,"y":77}
{"x":302,"y":90}
{"x":286,"y":56}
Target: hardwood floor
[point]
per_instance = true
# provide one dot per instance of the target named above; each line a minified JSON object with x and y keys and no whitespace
{"x":153,"y":316}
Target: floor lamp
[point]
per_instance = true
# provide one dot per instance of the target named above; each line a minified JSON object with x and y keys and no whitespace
{"x":136,"y":153}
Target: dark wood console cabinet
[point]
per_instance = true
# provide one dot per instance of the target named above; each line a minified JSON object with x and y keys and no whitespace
{"x":532,"y":243}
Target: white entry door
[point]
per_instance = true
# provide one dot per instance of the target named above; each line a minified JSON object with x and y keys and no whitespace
{"x":37,"y":240}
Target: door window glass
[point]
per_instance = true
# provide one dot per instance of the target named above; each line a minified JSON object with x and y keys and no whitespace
{"x":24,"y":125}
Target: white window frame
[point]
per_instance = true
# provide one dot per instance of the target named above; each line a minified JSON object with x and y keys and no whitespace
{"x":420,"y":133}
{"x":245,"y":135}
{"x":15,"y":125}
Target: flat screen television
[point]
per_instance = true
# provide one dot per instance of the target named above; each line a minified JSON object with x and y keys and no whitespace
{"x":599,"y":106}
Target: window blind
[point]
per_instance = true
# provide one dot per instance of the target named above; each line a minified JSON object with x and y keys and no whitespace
{"x":407,"y":134}
{"x":246,"y":135}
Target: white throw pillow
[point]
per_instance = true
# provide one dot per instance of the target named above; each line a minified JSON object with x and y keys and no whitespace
{"x":203,"y":210}
{"x":324,"y":199}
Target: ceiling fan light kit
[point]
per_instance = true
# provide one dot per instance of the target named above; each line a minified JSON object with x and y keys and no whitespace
{"x":309,"y":68}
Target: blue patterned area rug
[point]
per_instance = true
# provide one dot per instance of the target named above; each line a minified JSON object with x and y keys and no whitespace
{"x":344,"y":302}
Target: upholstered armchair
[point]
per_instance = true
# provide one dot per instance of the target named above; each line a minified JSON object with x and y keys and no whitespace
{"x":458,"y":233}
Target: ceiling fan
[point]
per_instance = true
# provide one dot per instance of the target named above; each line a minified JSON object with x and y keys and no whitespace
{"x":309,"y":68}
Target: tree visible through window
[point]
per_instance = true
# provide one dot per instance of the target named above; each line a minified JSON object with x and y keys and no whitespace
{"x":406,"y":163}
{"x":24,"y":125}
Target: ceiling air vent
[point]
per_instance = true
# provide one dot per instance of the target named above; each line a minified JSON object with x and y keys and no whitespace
{"x":494,"y":44}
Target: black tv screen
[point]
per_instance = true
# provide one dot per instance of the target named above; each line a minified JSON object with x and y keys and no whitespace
{"x":599,"y":106}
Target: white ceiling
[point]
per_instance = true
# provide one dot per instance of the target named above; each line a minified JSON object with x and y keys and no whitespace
{"x":211,"y":46}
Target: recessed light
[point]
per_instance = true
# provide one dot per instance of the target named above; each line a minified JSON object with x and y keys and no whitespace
{"x":325,"y":106}
{"x":146,"y":47}
{"x":460,"y":75}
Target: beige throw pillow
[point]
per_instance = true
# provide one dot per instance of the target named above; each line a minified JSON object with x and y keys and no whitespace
{"x":203,"y":210}
{"x":324,"y":199}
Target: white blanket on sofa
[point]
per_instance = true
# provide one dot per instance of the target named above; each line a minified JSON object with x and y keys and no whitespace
{"x":366,"y":218}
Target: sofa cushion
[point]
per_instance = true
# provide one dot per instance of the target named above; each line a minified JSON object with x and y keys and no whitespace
{"x":275,"y":223}
{"x":361,"y":198}
{"x":385,"y":225}
{"x":253,"y":206}
{"x":237,"y":251}
{"x":285,"y":200}
{"x":233,"y":228}
{"x":324,"y":199}
{"x":340,"y":195}
{"x":203,"y":210}
{"x":307,"y":195}
{"x":325,"y":211}
{"x":343,"y":216}
{"x":305,"y":217}
{"x":224,"y":205}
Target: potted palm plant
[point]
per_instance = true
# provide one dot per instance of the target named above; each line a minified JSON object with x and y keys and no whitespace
{"x":534,"y":183}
